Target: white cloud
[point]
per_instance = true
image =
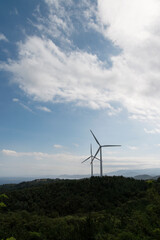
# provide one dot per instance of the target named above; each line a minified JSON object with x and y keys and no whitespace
{"x":40,"y":163}
{"x":133,"y":26}
{"x":16,"y":11}
{"x":67,"y":163}
{"x":57,"y":146}
{"x":132,"y":147}
{"x":114,"y":111}
{"x":45,"y":109}
{"x":57,"y":24}
{"x":9,"y":152}
{"x":3,"y":37}
{"x":152,"y":131}
{"x":58,"y":158}
{"x":22,"y":104}
{"x":130,"y":23}
{"x":13,"y":153}
{"x":25,"y":107}
{"x":128,"y":162}
{"x":15,"y":100}
{"x":47,"y":73}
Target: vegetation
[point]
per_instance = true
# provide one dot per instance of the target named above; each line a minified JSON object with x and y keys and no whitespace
{"x":108,"y":208}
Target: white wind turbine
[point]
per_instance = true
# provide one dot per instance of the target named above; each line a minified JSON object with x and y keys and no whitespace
{"x":92,"y":158}
{"x":100,"y":151}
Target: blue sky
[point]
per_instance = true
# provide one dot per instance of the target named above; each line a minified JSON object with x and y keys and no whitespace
{"x":70,"y":66}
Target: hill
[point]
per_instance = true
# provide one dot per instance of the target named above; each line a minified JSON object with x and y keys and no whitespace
{"x":132,"y":173}
{"x":114,"y":208}
{"x":143,"y":177}
{"x":63,"y":197}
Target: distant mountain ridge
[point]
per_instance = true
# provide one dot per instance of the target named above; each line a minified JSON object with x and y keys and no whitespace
{"x":132,"y":173}
{"x":144,"y":174}
{"x":143,"y":177}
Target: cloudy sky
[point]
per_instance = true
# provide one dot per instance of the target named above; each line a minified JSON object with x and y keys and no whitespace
{"x":70,"y":66}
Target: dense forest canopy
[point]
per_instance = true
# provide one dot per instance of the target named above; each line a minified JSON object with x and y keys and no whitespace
{"x":114,"y":208}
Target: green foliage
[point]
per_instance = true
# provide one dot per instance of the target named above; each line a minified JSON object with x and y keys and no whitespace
{"x":34,"y":236}
{"x":2,"y":197}
{"x":126,"y":236}
{"x":108,"y":208}
{"x":2,"y":205}
{"x":11,"y":238}
{"x":74,"y":196}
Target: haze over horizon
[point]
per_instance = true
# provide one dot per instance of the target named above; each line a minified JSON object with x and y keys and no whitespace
{"x":70,"y":66}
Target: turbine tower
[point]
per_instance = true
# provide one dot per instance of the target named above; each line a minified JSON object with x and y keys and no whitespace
{"x":92,"y":158}
{"x":100,"y":151}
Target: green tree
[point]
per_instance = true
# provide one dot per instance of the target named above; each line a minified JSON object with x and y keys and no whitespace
{"x":2,"y":197}
{"x":3,"y":205}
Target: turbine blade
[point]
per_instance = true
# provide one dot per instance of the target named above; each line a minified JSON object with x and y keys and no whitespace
{"x":95,"y":154}
{"x":92,"y":159}
{"x":95,"y":138}
{"x":91,"y":149}
{"x":86,"y":159}
{"x":111,"y":145}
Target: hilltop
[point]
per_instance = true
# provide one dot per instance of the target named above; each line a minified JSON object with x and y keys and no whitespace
{"x":114,"y":208}
{"x":71,"y":196}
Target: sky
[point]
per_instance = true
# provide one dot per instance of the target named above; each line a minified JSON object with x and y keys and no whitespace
{"x":70,"y":66}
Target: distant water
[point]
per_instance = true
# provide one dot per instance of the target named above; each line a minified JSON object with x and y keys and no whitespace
{"x":125,"y":173}
{"x":14,"y":180}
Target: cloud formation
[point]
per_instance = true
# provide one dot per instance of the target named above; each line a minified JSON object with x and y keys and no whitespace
{"x":25,"y":107}
{"x":12,"y":153}
{"x":133,"y":26}
{"x":60,"y":163}
{"x":45,"y":109}
{"x":9,"y":152}
{"x":132,"y":148}
{"x":152,"y":131}
{"x":45,"y":72}
{"x":40,"y":155}
{"x":57,"y":146}
{"x":48,"y":74}
{"x":3,"y":37}
{"x":39,"y":163}
{"x":15,"y":100}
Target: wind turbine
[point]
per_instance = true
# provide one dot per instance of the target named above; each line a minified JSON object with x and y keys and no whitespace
{"x":92,"y":158}
{"x":100,"y":151}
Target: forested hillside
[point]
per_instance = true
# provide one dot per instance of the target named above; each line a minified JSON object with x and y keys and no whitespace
{"x":114,"y":208}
